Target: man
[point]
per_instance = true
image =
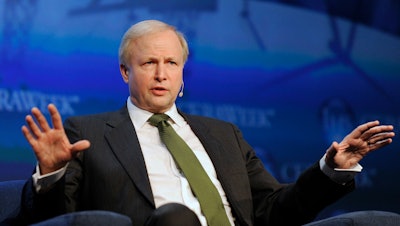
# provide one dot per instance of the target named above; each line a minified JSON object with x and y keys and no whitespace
{"x":116,"y":161}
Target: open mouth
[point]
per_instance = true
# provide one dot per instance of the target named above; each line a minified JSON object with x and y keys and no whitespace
{"x":158,"y":91}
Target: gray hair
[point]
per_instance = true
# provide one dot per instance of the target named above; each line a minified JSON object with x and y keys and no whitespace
{"x":147,"y":27}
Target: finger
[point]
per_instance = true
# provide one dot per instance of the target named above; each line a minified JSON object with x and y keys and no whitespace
{"x":376,"y":138}
{"x":40,"y":119}
{"x":380,"y":144}
{"x":377,"y":131}
{"x":55,"y":117}
{"x":28,"y":135}
{"x":361,"y":129}
{"x":32,"y":126}
{"x":367,"y":126}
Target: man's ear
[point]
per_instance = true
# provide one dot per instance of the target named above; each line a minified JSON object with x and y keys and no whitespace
{"x":124,"y":72}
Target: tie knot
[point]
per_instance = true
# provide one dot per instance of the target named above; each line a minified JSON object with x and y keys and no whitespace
{"x":157,"y":118}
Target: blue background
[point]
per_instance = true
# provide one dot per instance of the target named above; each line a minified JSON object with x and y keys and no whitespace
{"x":294,"y":75}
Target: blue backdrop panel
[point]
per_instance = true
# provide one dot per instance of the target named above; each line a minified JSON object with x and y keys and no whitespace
{"x":293,"y":75}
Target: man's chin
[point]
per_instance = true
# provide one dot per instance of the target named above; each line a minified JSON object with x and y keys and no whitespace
{"x":160,"y":107}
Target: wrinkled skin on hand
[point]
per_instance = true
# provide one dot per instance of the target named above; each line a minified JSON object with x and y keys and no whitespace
{"x":50,"y":145}
{"x":355,"y":146}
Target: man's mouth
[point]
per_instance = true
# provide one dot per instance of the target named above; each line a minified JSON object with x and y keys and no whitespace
{"x":158,"y":91}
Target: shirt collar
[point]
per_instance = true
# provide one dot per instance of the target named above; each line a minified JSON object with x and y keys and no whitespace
{"x":139,"y":116}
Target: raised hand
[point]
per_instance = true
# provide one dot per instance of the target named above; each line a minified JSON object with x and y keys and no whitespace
{"x":50,"y":145}
{"x":361,"y":141}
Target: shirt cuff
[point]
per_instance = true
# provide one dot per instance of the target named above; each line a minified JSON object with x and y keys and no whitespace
{"x":43,"y":183}
{"x":340,"y":176}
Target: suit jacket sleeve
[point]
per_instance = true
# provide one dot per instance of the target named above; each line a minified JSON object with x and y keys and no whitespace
{"x":58,"y":200}
{"x":255,"y":196}
{"x":288,"y":204}
{"x":110,"y":175}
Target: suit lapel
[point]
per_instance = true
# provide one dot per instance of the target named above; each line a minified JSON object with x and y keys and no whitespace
{"x":124,"y":143}
{"x":218,"y":155}
{"x":212,"y":146}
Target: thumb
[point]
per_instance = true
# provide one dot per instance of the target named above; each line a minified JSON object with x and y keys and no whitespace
{"x":80,"y":146}
{"x":330,"y":154}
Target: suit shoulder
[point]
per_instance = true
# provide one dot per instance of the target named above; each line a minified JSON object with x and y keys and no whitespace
{"x":97,"y":117}
{"x":209,"y":121}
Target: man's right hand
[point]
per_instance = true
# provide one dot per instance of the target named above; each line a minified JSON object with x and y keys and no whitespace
{"x":50,"y":145}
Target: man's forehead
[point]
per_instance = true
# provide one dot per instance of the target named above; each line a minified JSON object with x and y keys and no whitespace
{"x":167,"y":44}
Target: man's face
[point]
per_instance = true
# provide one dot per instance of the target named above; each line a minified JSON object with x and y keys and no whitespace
{"x":155,"y":71}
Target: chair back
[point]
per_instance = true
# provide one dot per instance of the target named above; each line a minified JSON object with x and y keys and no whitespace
{"x":10,"y":198}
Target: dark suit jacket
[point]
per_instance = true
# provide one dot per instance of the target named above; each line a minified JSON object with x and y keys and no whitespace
{"x":111,"y":175}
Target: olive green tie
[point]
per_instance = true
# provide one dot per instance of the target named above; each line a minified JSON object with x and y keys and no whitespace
{"x":201,"y":185}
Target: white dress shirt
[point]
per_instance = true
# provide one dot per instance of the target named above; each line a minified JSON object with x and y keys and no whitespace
{"x":167,"y":182}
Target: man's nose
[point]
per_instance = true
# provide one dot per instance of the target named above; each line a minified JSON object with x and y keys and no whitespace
{"x":160,"y":73}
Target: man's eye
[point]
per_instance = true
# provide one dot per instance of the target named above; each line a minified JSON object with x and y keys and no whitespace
{"x":172,"y":62}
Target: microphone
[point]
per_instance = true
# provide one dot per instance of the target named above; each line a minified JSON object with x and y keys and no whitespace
{"x":181,"y":92}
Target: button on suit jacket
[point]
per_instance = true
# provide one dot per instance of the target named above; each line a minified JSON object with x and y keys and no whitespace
{"x":111,"y":175}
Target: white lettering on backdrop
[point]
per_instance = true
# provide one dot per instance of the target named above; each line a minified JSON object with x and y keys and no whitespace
{"x":23,"y":101}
